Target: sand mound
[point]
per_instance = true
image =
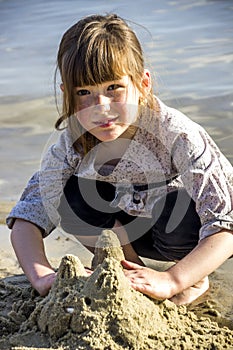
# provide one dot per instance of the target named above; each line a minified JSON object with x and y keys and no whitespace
{"x":100,"y":312}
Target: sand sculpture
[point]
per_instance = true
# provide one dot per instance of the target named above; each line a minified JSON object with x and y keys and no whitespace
{"x":102,"y":312}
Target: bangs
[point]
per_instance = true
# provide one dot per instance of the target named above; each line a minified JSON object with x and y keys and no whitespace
{"x":99,"y":63}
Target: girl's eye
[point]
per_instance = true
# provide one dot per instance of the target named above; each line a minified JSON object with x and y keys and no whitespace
{"x":114,"y":87}
{"x":83,"y":92}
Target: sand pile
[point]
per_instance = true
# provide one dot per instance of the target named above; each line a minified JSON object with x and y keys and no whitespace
{"x":100,"y":312}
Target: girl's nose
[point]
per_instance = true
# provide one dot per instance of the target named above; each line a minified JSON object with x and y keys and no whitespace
{"x":102,"y":100}
{"x":103,"y":108}
{"x":103,"y":103}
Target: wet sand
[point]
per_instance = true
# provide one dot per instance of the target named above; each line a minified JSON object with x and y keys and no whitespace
{"x":102,"y":312}
{"x":24,"y":315}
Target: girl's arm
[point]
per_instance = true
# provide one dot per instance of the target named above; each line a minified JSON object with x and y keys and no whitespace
{"x":206,"y":257}
{"x":28,"y":244}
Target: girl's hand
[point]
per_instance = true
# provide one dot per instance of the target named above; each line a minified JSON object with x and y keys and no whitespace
{"x":157,"y":285}
{"x":88,"y":271}
{"x":44,"y":284}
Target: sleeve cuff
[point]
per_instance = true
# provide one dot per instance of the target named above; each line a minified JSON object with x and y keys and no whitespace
{"x":32,"y":213}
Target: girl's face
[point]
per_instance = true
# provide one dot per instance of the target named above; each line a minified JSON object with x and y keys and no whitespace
{"x":106,"y":110}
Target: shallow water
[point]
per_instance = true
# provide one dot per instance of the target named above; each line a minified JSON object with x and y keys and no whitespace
{"x":188,"y":46}
{"x":189,"y":43}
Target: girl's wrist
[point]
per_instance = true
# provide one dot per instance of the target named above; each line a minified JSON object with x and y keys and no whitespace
{"x":43,"y":283}
{"x":174,"y":286}
{"x":39,"y":273}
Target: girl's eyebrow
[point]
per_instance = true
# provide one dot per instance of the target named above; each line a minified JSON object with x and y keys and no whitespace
{"x":109,"y":83}
{"x":120,"y":81}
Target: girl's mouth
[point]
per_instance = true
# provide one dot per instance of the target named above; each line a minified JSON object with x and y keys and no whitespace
{"x":106,"y":123}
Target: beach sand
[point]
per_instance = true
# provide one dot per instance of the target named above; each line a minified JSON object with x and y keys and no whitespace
{"x":102,"y":311}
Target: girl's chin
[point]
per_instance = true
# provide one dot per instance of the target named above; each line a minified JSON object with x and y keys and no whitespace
{"x":110,"y":133}
{"x":107,"y":138}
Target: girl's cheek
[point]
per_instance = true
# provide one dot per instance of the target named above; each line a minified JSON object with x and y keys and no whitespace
{"x":81,"y":106}
{"x":83,"y":122}
{"x":82,"y":116}
{"x":82,"y":102}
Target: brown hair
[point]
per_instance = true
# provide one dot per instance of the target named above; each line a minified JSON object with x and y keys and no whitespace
{"x":95,"y":50}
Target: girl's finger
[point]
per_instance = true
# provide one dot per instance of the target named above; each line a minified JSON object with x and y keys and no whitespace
{"x":129,"y":265}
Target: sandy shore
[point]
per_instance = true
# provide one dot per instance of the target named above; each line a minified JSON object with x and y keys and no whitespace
{"x":59,"y":243}
{"x":104,"y":304}
{"x":18,"y":301}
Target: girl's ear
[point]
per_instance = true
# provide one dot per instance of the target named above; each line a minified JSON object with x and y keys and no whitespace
{"x":62,"y":87}
{"x":146,"y":80}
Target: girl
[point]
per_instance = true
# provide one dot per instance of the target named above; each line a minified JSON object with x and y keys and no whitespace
{"x":128,"y":162}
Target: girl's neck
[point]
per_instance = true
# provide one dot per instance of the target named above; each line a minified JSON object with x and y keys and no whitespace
{"x":111,"y":152}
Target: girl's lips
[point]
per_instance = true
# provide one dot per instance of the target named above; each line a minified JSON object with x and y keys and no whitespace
{"x":106,"y":123}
